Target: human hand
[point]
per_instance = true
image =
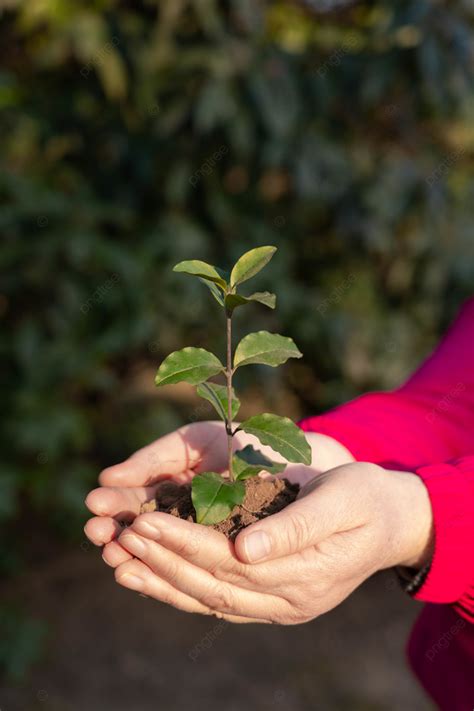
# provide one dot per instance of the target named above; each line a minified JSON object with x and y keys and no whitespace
{"x":290,"y":567}
{"x":191,"y":449}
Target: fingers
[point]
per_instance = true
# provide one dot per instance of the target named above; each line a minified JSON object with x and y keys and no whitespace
{"x":102,"y":529}
{"x":120,"y":503}
{"x":111,"y":506}
{"x":210,"y":592}
{"x":304,"y":523}
{"x":212,"y":551}
{"x":135,"y":575}
{"x":114,"y":555}
{"x":197,"y":446}
{"x":199,"y":545}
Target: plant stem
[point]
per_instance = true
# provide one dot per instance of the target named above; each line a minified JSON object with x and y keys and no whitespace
{"x":230,"y":434}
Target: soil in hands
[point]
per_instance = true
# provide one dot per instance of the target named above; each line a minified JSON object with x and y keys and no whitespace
{"x":263,"y":497}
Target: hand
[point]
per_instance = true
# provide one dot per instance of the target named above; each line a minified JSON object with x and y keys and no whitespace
{"x":292,"y":566}
{"x":181,"y":454}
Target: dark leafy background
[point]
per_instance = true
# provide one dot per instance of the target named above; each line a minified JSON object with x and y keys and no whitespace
{"x":135,"y":135}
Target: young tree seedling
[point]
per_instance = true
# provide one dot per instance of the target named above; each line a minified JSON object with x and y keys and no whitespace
{"x":213,"y":495}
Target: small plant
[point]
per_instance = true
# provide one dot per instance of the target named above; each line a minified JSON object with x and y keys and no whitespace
{"x":214,"y":496}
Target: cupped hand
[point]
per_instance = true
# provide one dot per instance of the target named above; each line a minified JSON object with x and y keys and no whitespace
{"x":126,"y":486}
{"x":290,"y":567}
{"x":191,"y":449}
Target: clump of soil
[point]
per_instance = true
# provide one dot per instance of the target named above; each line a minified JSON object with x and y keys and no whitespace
{"x":262,"y":498}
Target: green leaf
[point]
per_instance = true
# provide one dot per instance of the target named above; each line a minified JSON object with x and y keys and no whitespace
{"x":249,"y":462}
{"x":214,"y":291}
{"x":196,"y":267}
{"x":250,"y":264}
{"x":281,"y":434}
{"x":217,"y":395}
{"x":194,"y":365}
{"x":266,"y":348}
{"x":214,"y":497}
{"x":263,"y":297}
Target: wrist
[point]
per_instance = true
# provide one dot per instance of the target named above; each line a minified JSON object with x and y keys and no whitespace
{"x":327,"y":452}
{"x":414,"y":542}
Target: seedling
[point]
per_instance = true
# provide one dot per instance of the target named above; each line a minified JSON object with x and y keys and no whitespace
{"x":213,"y":495}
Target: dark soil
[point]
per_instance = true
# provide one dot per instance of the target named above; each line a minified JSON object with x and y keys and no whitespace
{"x":263,"y":497}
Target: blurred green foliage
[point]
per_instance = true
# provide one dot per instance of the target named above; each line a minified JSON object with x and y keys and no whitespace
{"x":21,"y":641}
{"x":135,"y":135}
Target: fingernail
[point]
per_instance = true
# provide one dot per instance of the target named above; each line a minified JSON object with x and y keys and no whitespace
{"x":106,"y":561}
{"x":131,"y":581}
{"x":147,"y":529}
{"x":134,"y":543}
{"x":257,"y":545}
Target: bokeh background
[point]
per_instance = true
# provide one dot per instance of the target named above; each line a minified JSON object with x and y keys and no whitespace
{"x":135,"y":135}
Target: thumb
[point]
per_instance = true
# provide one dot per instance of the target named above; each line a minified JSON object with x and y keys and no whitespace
{"x":307,"y":521}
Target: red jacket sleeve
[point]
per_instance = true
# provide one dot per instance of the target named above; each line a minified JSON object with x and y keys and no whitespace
{"x":451,"y":576}
{"x":426,"y":426}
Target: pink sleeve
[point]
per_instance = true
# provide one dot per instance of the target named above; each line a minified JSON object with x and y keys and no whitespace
{"x":451,"y":576}
{"x":425,"y":422}
{"x":428,"y":419}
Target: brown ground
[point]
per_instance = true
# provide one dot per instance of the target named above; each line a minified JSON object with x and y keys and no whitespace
{"x":263,"y":497}
{"x":111,"y":649}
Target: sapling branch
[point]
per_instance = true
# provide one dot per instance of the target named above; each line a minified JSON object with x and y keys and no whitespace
{"x":213,"y":495}
{"x":229,"y":372}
